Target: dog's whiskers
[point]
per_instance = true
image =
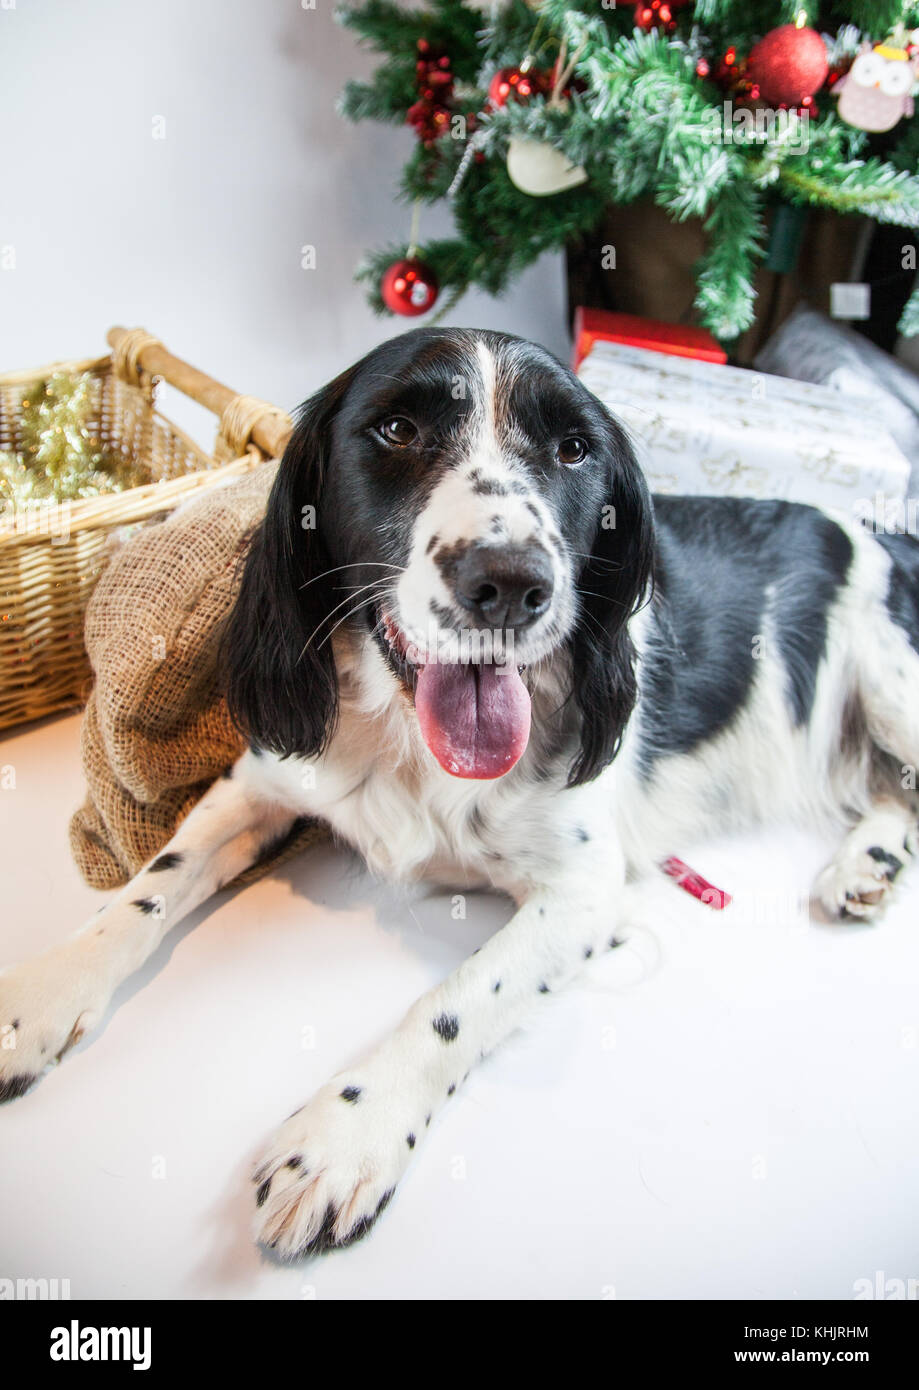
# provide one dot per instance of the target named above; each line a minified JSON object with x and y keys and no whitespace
{"x":374,"y":584}
{"x":598,"y":559}
{"x":378,"y":593}
{"x":358,"y":564}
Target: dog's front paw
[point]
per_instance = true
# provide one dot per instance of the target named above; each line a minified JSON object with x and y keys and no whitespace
{"x":46,"y":1005}
{"x":859,"y":883}
{"x":332,"y":1167}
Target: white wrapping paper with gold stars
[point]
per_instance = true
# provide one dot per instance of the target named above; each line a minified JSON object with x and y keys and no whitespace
{"x":702,"y":428}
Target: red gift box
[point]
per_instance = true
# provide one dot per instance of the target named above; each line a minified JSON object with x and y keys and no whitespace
{"x":600,"y":325}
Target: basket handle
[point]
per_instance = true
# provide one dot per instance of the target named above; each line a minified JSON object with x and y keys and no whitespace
{"x":269,"y":428}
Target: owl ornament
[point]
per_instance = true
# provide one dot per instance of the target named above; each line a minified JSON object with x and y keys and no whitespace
{"x":877,"y":90}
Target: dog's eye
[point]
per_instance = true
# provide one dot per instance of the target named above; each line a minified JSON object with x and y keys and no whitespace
{"x":572,"y":450}
{"x":397,"y":430}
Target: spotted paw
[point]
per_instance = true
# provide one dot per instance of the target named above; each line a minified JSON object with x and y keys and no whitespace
{"x":859,"y":884}
{"x":333,"y":1166}
{"x":46,"y":1005}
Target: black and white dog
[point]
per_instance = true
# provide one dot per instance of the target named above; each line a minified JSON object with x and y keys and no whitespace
{"x":467,"y":641}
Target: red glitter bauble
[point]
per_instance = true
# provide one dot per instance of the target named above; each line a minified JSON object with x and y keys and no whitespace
{"x":409,"y":287}
{"x":788,"y":64}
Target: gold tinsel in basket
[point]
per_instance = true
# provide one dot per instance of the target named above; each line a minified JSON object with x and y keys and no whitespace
{"x":61,"y":457}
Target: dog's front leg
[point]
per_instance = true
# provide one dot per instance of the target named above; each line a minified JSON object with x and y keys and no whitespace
{"x":333,"y":1165}
{"x":47,"y":1003}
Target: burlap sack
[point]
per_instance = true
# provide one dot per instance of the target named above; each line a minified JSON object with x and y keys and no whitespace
{"x":156,"y":732}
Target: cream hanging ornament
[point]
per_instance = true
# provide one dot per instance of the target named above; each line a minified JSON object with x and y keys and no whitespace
{"x":539,"y":169}
{"x":536,"y":167}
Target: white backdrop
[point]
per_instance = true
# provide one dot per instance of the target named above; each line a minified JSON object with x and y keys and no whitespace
{"x":197,"y":236}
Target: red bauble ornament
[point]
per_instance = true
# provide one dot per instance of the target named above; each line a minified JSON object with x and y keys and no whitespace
{"x":788,"y":64}
{"x":409,"y":287}
{"x":519,"y":83}
{"x":657,"y":14}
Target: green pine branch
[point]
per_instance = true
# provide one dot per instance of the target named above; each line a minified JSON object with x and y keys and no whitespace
{"x":870,"y":187}
{"x":386,"y":97}
{"x":909,"y":319}
{"x":653,"y":123}
{"x":387,"y":27}
{"x":735,"y":228}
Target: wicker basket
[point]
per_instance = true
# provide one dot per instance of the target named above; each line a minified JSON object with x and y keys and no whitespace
{"x":50,"y":558}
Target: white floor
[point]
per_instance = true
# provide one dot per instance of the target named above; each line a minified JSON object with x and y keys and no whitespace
{"x":726,"y":1107}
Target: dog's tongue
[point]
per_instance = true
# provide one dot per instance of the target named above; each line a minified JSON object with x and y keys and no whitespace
{"x":475,"y":719}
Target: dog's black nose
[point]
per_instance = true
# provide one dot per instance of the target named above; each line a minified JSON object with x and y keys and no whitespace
{"x":504,"y":586}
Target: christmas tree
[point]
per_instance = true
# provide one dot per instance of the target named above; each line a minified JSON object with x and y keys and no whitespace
{"x":534,"y":116}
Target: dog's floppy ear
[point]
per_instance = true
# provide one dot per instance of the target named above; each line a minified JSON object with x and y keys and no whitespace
{"x":611,"y":587}
{"x":278,"y":673}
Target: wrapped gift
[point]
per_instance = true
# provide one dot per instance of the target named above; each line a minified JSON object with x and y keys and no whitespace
{"x":707,"y":429}
{"x":592,"y":326}
{"x":811,"y":347}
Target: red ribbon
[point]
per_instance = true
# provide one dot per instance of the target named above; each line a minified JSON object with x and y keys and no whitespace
{"x":694,"y":883}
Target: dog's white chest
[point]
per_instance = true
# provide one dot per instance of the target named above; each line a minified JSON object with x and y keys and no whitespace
{"x":411,"y":820}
